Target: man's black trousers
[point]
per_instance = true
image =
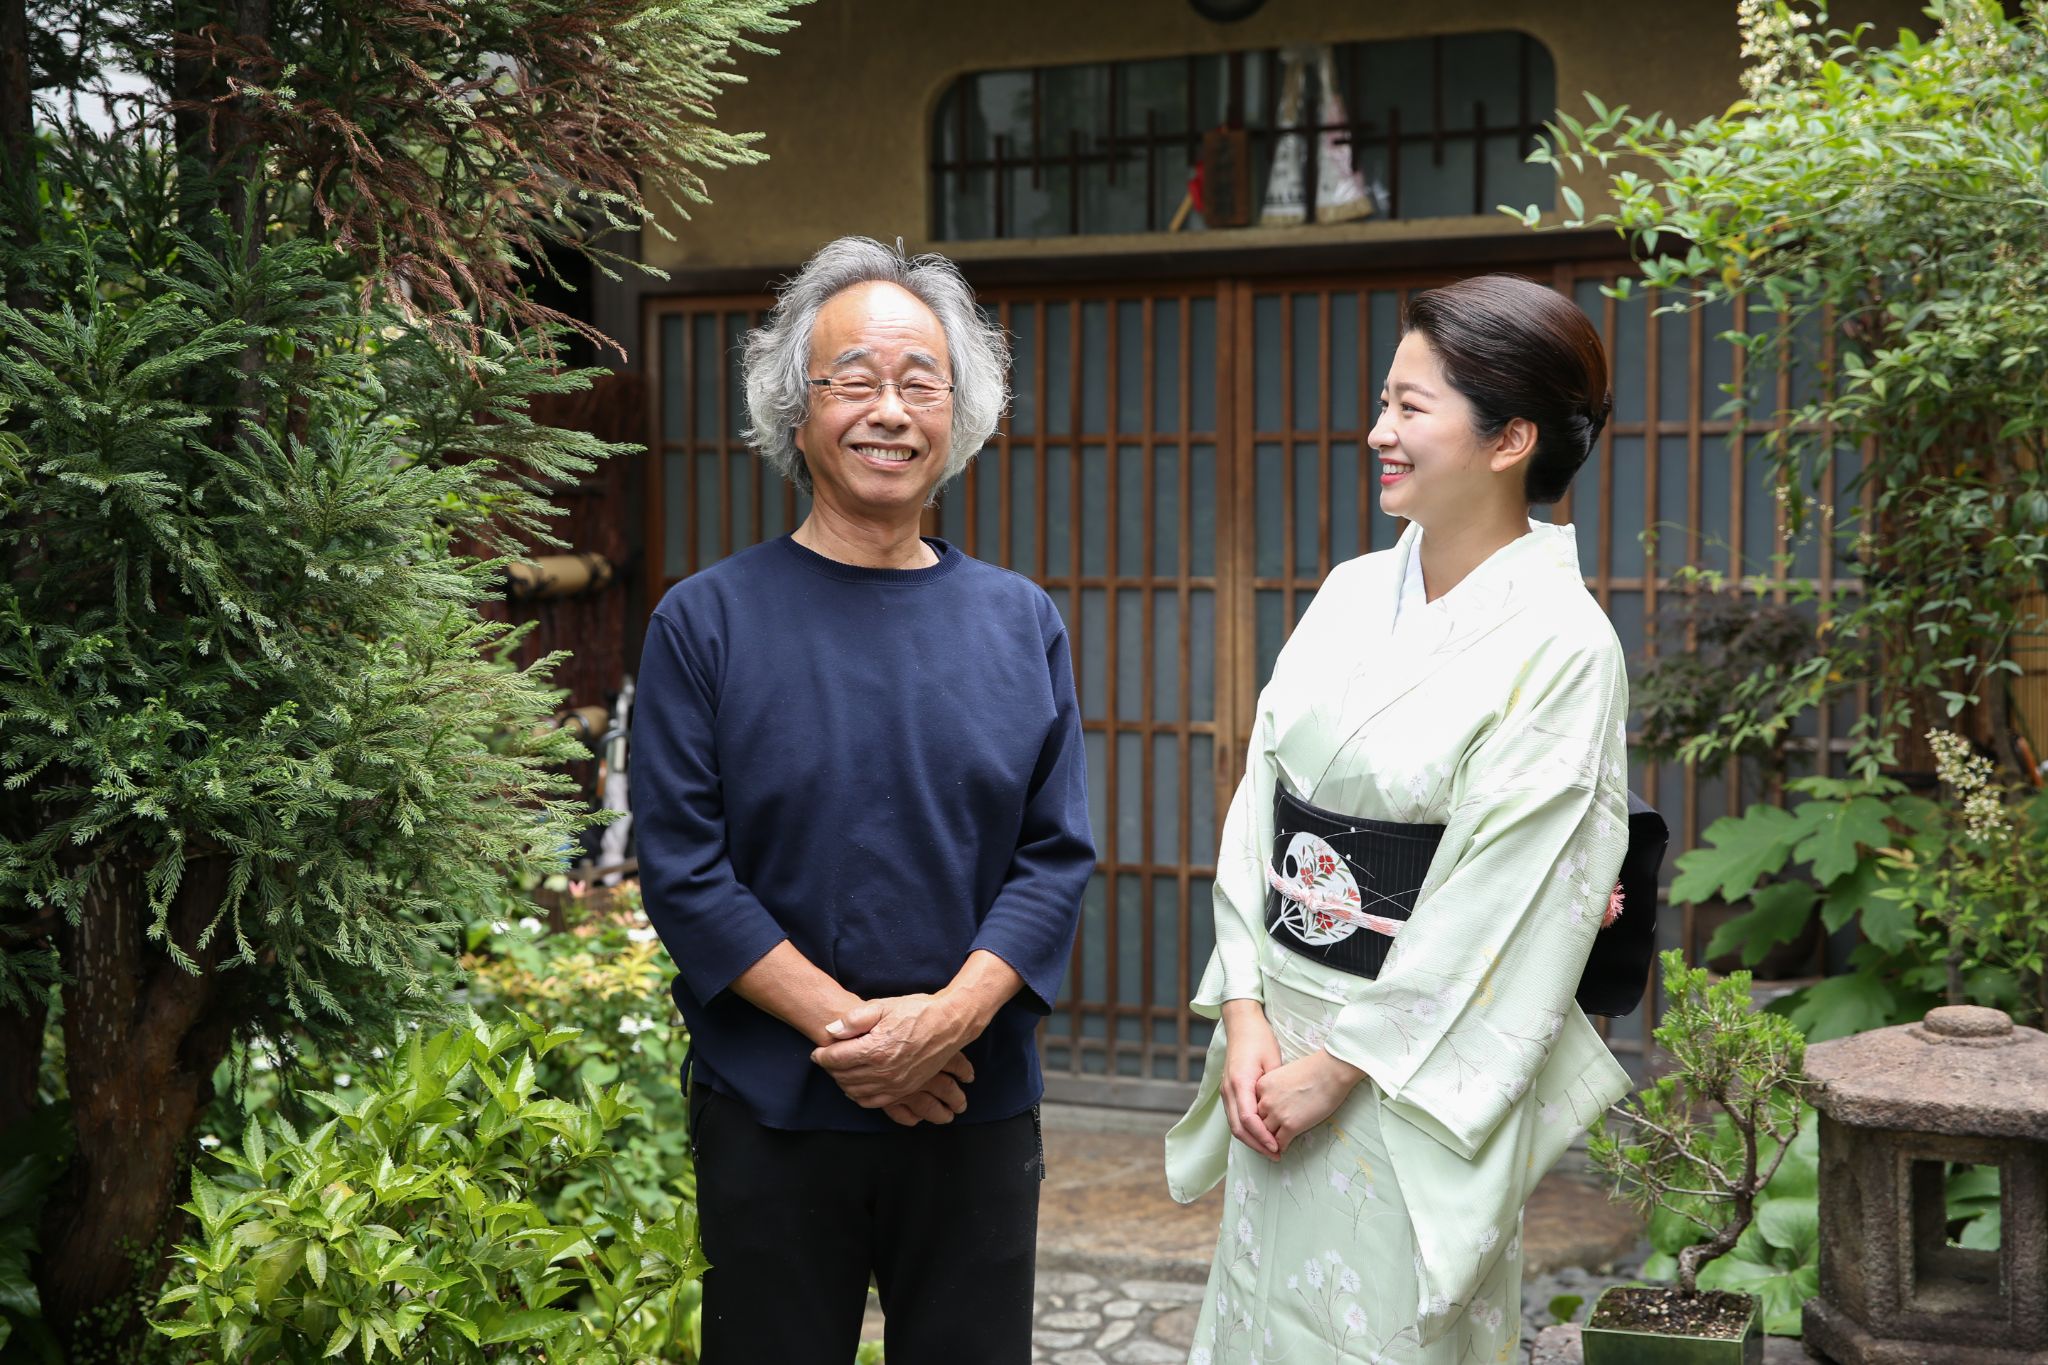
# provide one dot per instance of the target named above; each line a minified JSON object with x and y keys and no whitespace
{"x":945,"y":1218}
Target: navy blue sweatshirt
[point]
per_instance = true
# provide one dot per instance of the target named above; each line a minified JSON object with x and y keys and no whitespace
{"x":882,"y":766}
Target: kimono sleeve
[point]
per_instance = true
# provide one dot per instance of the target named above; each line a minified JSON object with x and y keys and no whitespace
{"x":1482,"y":977}
{"x":1240,"y":887}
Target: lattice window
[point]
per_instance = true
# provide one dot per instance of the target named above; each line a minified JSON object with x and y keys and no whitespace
{"x":1440,"y":125}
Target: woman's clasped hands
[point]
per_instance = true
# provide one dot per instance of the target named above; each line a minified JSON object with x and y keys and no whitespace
{"x":1269,"y":1103}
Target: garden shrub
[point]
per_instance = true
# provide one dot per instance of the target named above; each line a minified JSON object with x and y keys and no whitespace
{"x":405,"y":1226}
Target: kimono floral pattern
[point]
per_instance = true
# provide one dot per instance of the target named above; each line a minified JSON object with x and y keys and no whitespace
{"x":1495,"y":711}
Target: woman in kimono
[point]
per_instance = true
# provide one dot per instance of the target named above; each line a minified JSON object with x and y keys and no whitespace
{"x":1397,"y":1063}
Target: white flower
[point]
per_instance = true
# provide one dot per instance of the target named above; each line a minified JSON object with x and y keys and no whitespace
{"x":1488,"y":1240}
{"x":377,"y":1054}
{"x":1354,"y":1318}
{"x":1333,"y":1256}
{"x":529,"y":924}
{"x":343,"y":1079}
{"x":209,"y":1142}
{"x":1244,"y":1231}
{"x":639,"y":935}
{"x":1294,"y":1281}
{"x":1255,"y":1254}
{"x":1237,"y":1192}
{"x":1222,"y":1304}
{"x":1340,"y":1182}
{"x":499,"y":926}
{"x":1551,"y":1112}
{"x":1423,"y":1008}
{"x":1199,"y":1356}
{"x":1247,"y":1319}
{"x":1314,"y":1271}
{"x":1348,"y":1280}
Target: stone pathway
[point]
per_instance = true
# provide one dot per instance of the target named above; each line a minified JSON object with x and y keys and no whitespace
{"x":1096,"y":1319}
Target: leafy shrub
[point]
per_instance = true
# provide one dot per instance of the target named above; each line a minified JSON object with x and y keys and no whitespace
{"x":406,"y":1224}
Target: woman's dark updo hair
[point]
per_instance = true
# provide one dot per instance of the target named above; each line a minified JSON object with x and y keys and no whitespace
{"x":1516,"y":349}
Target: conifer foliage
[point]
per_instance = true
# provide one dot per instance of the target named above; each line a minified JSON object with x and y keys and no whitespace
{"x":264,"y":363}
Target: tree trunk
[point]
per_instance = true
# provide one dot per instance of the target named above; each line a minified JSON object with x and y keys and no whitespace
{"x":142,"y":1038}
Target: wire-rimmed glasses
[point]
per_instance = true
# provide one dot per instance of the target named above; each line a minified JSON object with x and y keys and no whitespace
{"x":860,"y":390}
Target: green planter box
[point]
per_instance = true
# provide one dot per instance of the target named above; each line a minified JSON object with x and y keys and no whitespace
{"x":1611,"y":1346}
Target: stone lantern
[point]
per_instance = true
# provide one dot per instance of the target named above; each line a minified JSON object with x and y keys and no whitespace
{"x":1899,"y":1108}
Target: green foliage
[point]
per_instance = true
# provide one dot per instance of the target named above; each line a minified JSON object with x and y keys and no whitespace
{"x":1893,"y":195}
{"x":1698,"y":1147}
{"x":607,"y":977}
{"x":405,"y":1226}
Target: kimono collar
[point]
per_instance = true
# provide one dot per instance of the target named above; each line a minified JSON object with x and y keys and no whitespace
{"x":1544,"y":552}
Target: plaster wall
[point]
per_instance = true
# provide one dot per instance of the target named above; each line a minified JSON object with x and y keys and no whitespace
{"x":846,"y":105}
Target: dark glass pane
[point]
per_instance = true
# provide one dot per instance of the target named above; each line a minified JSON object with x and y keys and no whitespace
{"x":1130,"y":365}
{"x":675,"y":401}
{"x":1346,"y":488}
{"x":1201,"y":938}
{"x":1201,"y":802}
{"x":1166,"y":665}
{"x":1024,"y":375}
{"x":1627,"y":348}
{"x":1059,"y":352}
{"x":1094,"y":366}
{"x":741,"y":472}
{"x":1165,"y":799}
{"x":1130,"y":654}
{"x":988,"y":509}
{"x":1268,"y":495}
{"x":1130,"y":797}
{"x":704,"y":380}
{"x":1308,"y":506}
{"x":1166,"y":989}
{"x":1059,"y":511}
{"x":1673,"y":472}
{"x":1344,"y":395}
{"x":1166,"y":520}
{"x":1267,"y":372}
{"x":1166,"y":366}
{"x":1130,"y":951}
{"x":1130,"y":511}
{"x":1094,"y":942}
{"x":709,"y":548}
{"x":1094,"y":654}
{"x":1202,"y":361}
{"x":1094,"y":511}
{"x":675,"y":486}
{"x":1202,"y":510}
{"x":1270,"y":612}
{"x":1674,"y":365}
{"x":1308,"y":358}
{"x":1626,"y":518}
{"x":1024,"y":512}
{"x":1201,"y":654}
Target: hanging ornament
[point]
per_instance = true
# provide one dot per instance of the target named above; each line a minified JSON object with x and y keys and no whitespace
{"x":1340,"y":190}
{"x":1286,"y":190}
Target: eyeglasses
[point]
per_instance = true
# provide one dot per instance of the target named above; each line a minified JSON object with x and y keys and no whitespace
{"x":860,"y":390}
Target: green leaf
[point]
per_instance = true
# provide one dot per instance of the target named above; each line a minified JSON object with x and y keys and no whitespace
{"x":1846,"y":895}
{"x":1565,"y":1307}
{"x":1841,"y":832}
{"x":1838,"y":1006}
{"x":1739,"y":851}
{"x":535,"y":1322}
{"x":1781,"y":913}
{"x":1791,"y":1224}
{"x":275,"y":1264}
{"x":1984,"y":1232}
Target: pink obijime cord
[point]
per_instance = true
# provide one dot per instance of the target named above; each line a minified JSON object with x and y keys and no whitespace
{"x":1342,"y":907}
{"x":1330,"y":907}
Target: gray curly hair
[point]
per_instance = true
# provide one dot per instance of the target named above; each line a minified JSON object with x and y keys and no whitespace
{"x":778,"y":353}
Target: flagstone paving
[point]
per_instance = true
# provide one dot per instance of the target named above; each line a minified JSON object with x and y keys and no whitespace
{"x":1121,"y":1266}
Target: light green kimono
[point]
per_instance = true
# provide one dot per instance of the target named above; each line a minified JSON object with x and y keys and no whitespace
{"x":1391,"y":1233}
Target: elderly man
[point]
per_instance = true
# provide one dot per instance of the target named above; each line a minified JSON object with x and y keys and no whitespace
{"x":863,"y":838}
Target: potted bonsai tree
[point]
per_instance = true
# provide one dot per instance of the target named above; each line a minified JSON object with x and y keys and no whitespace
{"x":1701,"y":1143}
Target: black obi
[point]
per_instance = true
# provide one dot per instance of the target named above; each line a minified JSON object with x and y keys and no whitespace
{"x":1307,"y":906}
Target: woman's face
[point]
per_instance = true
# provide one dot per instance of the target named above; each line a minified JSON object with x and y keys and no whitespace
{"x":1434,"y":469}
